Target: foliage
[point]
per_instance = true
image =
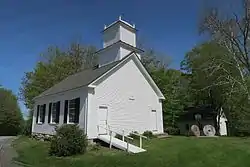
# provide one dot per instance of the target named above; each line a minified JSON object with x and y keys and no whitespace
{"x":148,"y":134}
{"x":118,"y":136}
{"x":172,"y":83}
{"x":95,"y":147}
{"x":11,"y":120}
{"x":215,"y":80}
{"x":54,"y":66}
{"x":27,"y":128}
{"x":169,"y":152}
{"x":154,"y":60}
{"x":229,"y":27}
{"x":69,"y":140}
{"x":172,"y":130}
{"x":133,"y":135}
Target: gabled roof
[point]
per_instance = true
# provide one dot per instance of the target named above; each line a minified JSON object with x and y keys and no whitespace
{"x":140,"y":66}
{"x":80,"y":79}
{"x":90,"y":76}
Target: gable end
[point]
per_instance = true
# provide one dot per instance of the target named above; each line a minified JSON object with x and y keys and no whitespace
{"x":134,"y":57}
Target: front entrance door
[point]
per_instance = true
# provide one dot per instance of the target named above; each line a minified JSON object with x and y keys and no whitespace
{"x":103,"y":119}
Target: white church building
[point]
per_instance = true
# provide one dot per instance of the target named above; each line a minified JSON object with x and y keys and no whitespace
{"x":118,"y":94}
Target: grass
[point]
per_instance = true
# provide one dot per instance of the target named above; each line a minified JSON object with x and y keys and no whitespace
{"x":169,"y":152}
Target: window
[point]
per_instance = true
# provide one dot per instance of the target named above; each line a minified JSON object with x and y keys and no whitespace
{"x":71,"y":111}
{"x":41,"y":113}
{"x":54,"y":113}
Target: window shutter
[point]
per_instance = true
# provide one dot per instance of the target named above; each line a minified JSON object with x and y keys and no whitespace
{"x":44,"y":112}
{"x":37,"y":113}
{"x":49,"y":115}
{"x":65,"y":111}
{"x":77,"y":101}
{"x":57,"y":111}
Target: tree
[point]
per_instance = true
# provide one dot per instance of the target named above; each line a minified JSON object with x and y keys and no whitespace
{"x":54,"y":66}
{"x":170,"y":83}
{"x":229,"y":27}
{"x":216,"y":81}
{"x":154,"y":60}
{"x":11,"y":119}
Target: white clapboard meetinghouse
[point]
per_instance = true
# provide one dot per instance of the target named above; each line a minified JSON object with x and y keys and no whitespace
{"x":118,"y":96}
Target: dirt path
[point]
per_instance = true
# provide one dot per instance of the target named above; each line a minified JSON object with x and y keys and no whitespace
{"x":7,"y":152}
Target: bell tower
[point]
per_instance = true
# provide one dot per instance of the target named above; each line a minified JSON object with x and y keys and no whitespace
{"x":119,"y":39}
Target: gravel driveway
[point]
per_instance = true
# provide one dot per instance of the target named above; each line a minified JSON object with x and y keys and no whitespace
{"x":7,"y":152}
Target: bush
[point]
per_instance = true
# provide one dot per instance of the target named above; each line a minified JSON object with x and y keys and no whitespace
{"x":69,"y":140}
{"x":133,"y":135}
{"x":173,"y":131}
{"x":148,"y":134}
{"x":95,"y":147}
{"x":118,"y":136}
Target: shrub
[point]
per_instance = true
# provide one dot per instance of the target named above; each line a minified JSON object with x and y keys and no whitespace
{"x":118,"y":136}
{"x":148,"y":134}
{"x":133,"y":135}
{"x":69,"y":140}
{"x":173,"y":131}
{"x":95,"y":147}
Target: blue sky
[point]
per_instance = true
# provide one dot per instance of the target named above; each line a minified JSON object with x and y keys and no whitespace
{"x":28,"y":27}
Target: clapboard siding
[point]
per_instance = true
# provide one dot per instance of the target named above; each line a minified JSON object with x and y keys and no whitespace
{"x":129,"y":98}
{"x":47,"y":128}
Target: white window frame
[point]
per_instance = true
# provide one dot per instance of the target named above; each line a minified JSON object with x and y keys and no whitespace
{"x":53,"y":108}
{"x":68,"y":122}
{"x":41,"y":107}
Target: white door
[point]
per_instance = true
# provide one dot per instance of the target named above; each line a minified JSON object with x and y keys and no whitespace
{"x":154,"y":120}
{"x":103,"y":119}
{"x":223,"y":127}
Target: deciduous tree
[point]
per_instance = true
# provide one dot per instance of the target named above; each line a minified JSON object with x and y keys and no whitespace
{"x":11,"y":120}
{"x":54,"y":66}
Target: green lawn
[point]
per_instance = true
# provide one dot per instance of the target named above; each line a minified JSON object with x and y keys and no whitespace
{"x":169,"y":152}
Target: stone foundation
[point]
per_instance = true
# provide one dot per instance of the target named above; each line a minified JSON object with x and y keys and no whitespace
{"x":47,"y":137}
{"x":41,"y":136}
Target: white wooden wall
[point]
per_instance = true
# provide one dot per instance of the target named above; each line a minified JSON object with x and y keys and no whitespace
{"x":47,"y":128}
{"x":129,"y":98}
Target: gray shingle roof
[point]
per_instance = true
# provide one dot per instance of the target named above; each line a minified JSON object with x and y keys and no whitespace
{"x":80,"y":79}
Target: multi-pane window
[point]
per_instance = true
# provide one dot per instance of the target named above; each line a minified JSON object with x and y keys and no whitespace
{"x":41,"y":113}
{"x":53,"y":113}
{"x":71,"y":111}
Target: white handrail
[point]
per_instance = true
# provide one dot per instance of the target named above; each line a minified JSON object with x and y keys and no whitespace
{"x":111,"y":131}
{"x":137,"y":134}
{"x":123,"y":134}
{"x":114,"y":131}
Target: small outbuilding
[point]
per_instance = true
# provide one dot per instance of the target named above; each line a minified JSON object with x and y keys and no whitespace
{"x":202,"y":116}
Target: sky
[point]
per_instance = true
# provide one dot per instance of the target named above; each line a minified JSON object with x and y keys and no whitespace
{"x":29,"y":27}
